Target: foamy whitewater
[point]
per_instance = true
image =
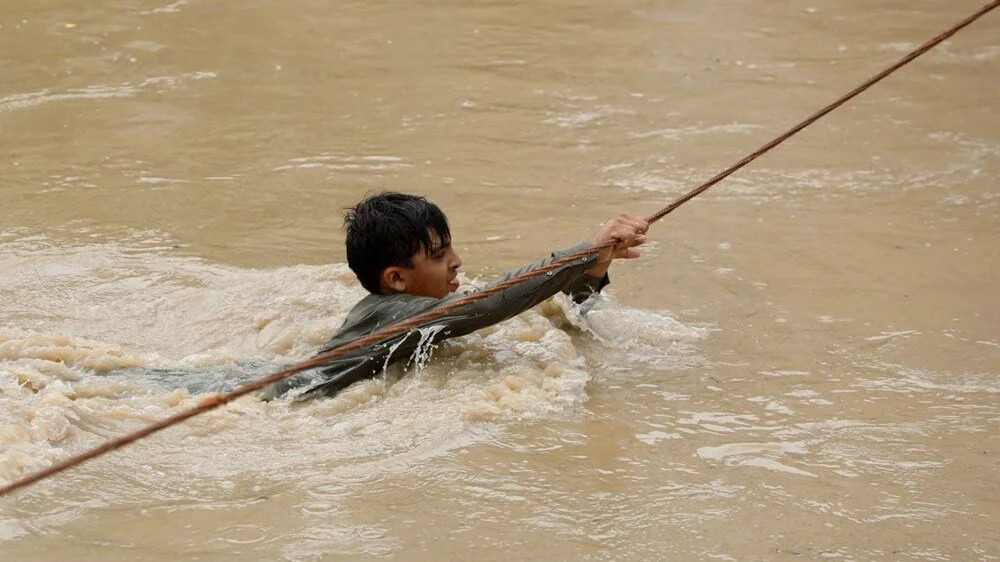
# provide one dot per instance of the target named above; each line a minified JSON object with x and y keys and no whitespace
{"x":117,"y":358}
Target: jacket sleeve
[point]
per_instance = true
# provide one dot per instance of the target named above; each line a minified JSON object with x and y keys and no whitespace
{"x":367,"y":362}
{"x":570,"y":278}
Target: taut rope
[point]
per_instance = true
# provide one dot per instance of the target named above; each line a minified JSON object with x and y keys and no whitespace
{"x":416,"y":321}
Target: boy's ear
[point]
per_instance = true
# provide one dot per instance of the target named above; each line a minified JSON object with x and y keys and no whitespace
{"x":393,"y":280}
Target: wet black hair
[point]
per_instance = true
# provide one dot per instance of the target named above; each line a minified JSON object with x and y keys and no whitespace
{"x":386,"y":230}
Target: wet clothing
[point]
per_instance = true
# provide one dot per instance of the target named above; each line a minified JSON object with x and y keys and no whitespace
{"x":375,"y":312}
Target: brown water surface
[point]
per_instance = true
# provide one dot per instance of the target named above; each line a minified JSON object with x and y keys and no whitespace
{"x":804,"y":364}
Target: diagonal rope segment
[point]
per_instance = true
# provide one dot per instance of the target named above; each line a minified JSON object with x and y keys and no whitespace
{"x":415,"y":322}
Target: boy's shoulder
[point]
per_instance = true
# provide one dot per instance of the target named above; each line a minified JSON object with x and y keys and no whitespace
{"x":375,"y":312}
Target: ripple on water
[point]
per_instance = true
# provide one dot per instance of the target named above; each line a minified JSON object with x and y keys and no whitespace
{"x":98,"y":91}
{"x":761,"y":455}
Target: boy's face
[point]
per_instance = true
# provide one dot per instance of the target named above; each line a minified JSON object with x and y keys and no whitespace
{"x":433,"y":273}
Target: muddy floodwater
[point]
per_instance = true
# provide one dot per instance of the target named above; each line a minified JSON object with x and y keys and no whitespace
{"x":804,"y":364}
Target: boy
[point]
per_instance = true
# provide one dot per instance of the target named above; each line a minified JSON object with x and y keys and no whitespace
{"x":400,"y":248}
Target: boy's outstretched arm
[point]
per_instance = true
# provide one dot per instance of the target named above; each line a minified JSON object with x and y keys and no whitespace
{"x":381,"y":311}
{"x":628,"y":232}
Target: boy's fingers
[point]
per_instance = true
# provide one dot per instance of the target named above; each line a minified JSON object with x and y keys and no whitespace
{"x":627,"y":232}
{"x":639,"y":223}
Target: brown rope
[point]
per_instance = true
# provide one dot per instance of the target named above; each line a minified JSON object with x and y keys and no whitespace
{"x":416,"y":321}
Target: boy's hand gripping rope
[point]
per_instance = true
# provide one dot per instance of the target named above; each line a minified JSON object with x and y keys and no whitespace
{"x":219,"y":399}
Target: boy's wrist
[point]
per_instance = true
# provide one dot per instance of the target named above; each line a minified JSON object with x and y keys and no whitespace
{"x":599,"y":270}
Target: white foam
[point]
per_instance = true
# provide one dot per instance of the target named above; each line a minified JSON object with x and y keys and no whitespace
{"x":652,"y":338}
{"x":145,"y":310}
{"x":147,"y":307}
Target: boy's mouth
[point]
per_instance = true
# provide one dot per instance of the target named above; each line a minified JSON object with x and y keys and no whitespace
{"x":453,"y":284}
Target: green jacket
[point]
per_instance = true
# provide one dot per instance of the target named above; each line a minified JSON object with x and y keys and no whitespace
{"x":375,"y":312}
